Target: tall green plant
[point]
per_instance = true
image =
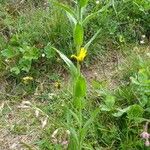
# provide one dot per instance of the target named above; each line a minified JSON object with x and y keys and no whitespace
{"x":78,"y":21}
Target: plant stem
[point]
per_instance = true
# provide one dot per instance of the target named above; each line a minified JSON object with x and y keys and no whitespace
{"x":78,"y":47}
{"x":78,"y":51}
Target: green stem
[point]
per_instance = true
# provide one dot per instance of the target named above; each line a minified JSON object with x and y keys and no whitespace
{"x":78,"y":51}
{"x":78,"y":47}
{"x":79,"y":13}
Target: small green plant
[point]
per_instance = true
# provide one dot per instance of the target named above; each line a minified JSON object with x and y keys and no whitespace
{"x":20,"y":58}
{"x":78,"y":126}
{"x":139,"y":89}
{"x":26,"y":55}
{"x":141,"y":86}
{"x":128,"y":108}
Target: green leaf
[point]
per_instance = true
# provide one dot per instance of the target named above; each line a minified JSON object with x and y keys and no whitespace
{"x":135,"y":111}
{"x":72,"y":19}
{"x":110,"y":101}
{"x":113,"y":5}
{"x":79,"y":102}
{"x":88,"y":123}
{"x":15,"y":70}
{"x":92,"y":39}
{"x":67,"y":9}
{"x":105,"y":108}
{"x":92,"y":15}
{"x":50,"y":53}
{"x":134,"y":81}
{"x":25,"y":64}
{"x":74,"y":115}
{"x":80,"y":87}
{"x":9,"y":53}
{"x":121,"y":112}
{"x":71,"y":66}
{"x":15,"y":40}
{"x":79,"y":92}
{"x":31,"y":53}
{"x":78,"y":34}
{"x":83,"y":3}
{"x":74,"y":140}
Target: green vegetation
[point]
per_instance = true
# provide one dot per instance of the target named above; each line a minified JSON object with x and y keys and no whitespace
{"x":75,"y":74}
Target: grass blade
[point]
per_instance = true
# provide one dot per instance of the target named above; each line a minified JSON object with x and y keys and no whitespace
{"x":88,"y":123}
{"x":92,"y":39}
{"x":92,"y":15}
{"x":67,"y":9}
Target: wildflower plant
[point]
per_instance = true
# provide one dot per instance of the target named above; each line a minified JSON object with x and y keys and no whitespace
{"x":78,"y":22}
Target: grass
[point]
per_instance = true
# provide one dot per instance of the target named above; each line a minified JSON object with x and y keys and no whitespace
{"x":18,"y":122}
{"x":38,"y":115}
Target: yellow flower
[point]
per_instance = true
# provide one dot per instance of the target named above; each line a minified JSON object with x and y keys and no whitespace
{"x":82,"y":54}
{"x":27,"y":79}
{"x":57,"y":85}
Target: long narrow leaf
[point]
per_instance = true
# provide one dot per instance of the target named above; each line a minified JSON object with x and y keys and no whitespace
{"x":92,"y":15}
{"x":71,"y":66}
{"x":74,"y":140}
{"x":92,"y":39}
{"x":67,"y":9}
{"x":88,"y":123}
{"x":71,"y":19}
{"x":75,"y":116}
{"x":113,"y":5}
{"x":83,"y":3}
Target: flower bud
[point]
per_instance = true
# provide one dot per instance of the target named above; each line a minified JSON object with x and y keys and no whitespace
{"x":145,"y":135}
